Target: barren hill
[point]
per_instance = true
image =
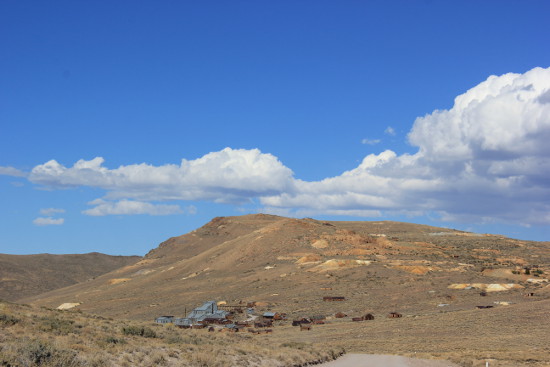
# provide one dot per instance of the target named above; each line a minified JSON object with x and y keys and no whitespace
{"x":291,"y":264}
{"x":464,"y":297}
{"x":24,"y":276}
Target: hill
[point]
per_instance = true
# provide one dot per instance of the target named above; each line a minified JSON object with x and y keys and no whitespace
{"x":276,"y":260}
{"x":24,"y":276}
{"x":434,"y":277}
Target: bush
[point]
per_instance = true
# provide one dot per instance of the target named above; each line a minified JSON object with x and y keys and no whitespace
{"x":8,"y":320}
{"x":56,"y":325}
{"x":113,"y":340}
{"x":139,"y":331}
{"x":38,"y":353}
{"x":294,"y":345}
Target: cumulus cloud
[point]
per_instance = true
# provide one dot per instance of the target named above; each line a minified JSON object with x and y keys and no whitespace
{"x":129,"y":207}
{"x":48,"y":221}
{"x":230,"y":175}
{"x":11,"y":171}
{"x":486,"y":158}
{"x":51,"y":211}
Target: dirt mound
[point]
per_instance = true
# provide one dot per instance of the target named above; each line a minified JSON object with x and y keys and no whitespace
{"x":311,"y":258}
{"x":335,"y":264}
{"x":67,"y":306}
{"x":320,"y":244}
{"x":493,"y":287}
{"x":118,"y":280}
{"x":416,"y":269}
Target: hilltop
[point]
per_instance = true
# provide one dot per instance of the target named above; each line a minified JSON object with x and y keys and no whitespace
{"x":23,"y":276}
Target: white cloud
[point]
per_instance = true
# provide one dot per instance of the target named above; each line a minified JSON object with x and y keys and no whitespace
{"x":129,"y":207}
{"x":390,"y":131}
{"x":48,"y":221}
{"x":370,"y":141}
{"x":225,"y":176}
{"x":485,"y":159}
{"x":51,"y":211}
{"x":11,"y":171}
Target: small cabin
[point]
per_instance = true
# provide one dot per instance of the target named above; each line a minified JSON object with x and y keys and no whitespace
{"x":164,"y":320}
{"x":333,"y":299}
{"x":272,"y":316}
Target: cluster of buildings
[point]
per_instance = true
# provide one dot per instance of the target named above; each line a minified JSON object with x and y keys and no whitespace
{"x":208,"y":313}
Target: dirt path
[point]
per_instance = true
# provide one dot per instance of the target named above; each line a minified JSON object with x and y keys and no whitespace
{"x":378,"y":360}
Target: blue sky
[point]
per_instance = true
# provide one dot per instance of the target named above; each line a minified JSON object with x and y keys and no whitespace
{"x":124,"y":123}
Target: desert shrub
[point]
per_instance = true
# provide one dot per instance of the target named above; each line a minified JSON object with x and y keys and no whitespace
{"x":38,"y":353}
{"x":113,"y":340}
{"x":173,"y":339}
{"x":56,"y":325}
{"x":158,"y":358}
{"x":139,"y":331}
{"x":8,"y":319}
{"x":294,"y":345}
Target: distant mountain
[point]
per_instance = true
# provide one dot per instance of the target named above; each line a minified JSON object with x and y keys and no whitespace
{"x":23,"y":276}
{"x":291,"y":264}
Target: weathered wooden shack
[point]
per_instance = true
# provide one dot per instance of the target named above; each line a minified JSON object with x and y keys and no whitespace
{"x":333,"y":299}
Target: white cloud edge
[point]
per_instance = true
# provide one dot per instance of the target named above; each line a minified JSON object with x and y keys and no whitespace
{"x":132,"y":207}
{"x":370,"y":141}
{"x":51,"y":211}
{"x":11,"y":171}
{"x":390,"y":131}
{"x":48,"y":221}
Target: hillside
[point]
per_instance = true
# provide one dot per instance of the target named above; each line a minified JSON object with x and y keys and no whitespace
{"x":374,"y":265}
{"x":24,"y":276}
{"x":434,"y":277}
{"x":32,"y":336}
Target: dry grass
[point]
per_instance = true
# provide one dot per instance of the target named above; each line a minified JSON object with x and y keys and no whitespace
{"x":508,"y":336}
{"x":42,"y":337}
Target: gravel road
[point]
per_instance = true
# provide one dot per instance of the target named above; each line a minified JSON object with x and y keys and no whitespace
{"x":377,"y":360}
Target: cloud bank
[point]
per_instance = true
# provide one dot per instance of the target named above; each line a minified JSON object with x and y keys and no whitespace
{"x":485,"y":159}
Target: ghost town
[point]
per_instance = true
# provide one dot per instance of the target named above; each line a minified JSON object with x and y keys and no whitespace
{"x":218,"y":316}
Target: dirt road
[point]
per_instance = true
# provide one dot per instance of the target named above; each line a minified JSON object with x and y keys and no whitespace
{"x":376,"y":360}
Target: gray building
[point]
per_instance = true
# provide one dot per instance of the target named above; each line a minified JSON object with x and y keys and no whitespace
{"x":209,"y":310}
{"x":164,"y":320}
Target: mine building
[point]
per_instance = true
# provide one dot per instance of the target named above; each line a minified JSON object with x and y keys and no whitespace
{"x":164,"y":320}
{"x":207,"y":313}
